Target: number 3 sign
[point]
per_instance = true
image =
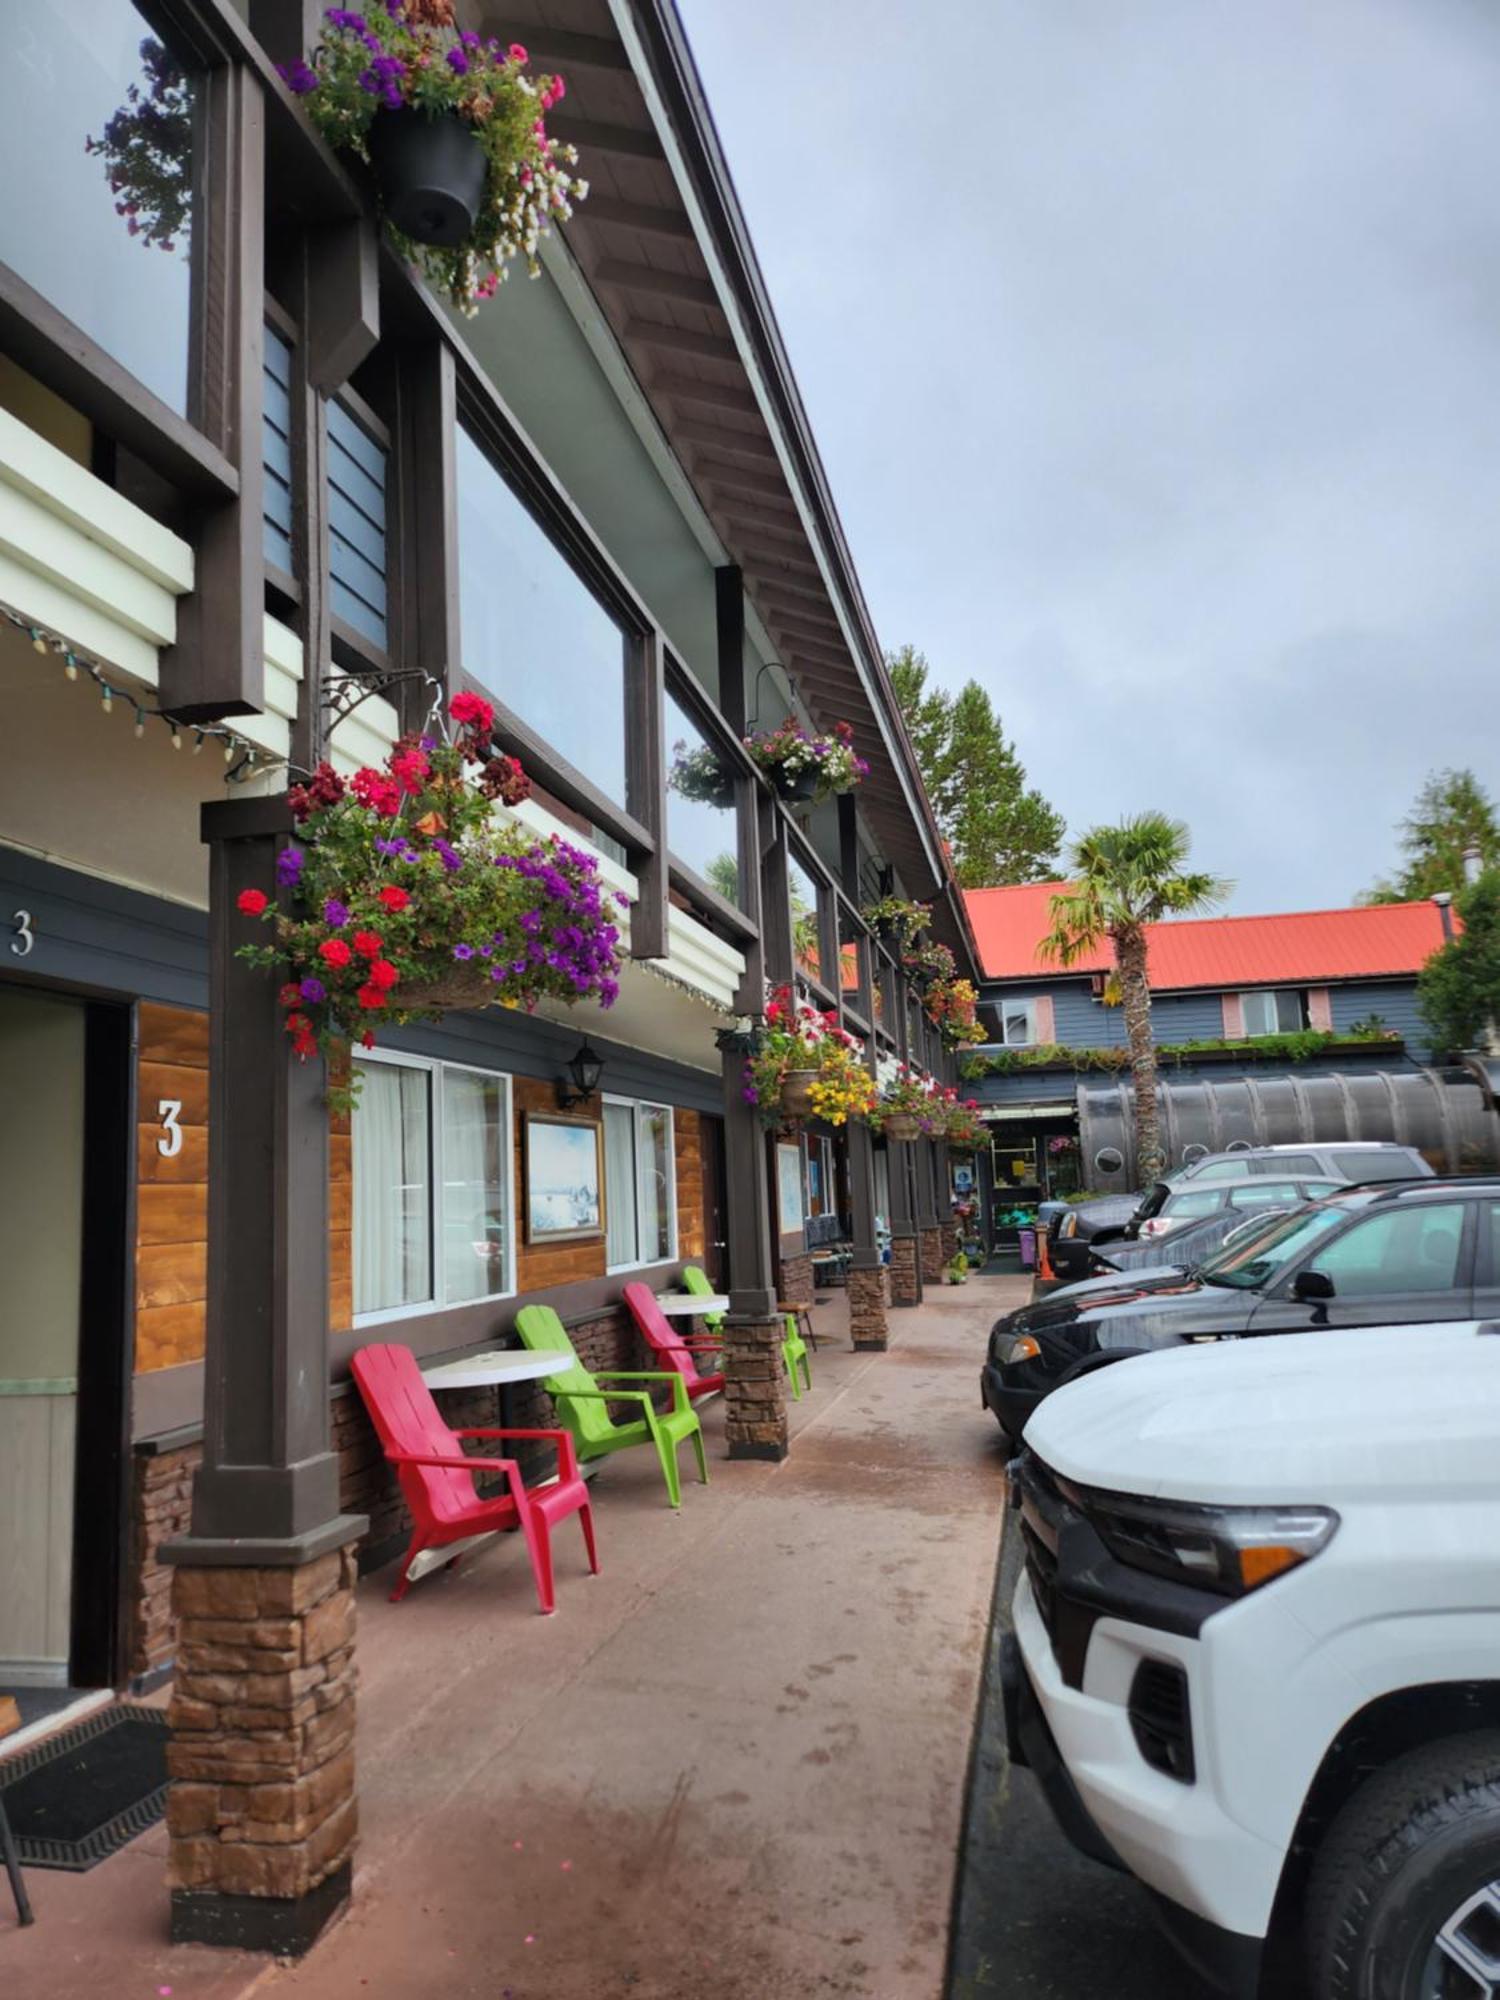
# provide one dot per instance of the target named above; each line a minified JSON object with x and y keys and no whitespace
{"x":169,"y":1110}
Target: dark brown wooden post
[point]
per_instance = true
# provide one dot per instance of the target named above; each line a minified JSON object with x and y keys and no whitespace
{"x":869,"y":1283}
{"x":263,"y":1589}
{"x":906,"y":1260}
{"x":425,"y":629}
{"x":645,"y":790}
{"x":729,"y":609}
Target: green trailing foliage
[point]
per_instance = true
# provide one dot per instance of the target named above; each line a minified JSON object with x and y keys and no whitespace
{"x":1302,"y":1045}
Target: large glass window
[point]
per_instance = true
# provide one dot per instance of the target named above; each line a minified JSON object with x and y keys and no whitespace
{"x":701,"y":825}
{"x":533,"y":634}
{"x":98,"y":212}
{"x":640,"y":1184}
{"x":432,"y":1186}
{"x":1018,"y":1022}
{"x":1273,"y":1011}
{"x":804,"y":900}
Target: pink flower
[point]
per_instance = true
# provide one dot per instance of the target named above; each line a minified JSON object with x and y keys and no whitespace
{"x":518,"y":53}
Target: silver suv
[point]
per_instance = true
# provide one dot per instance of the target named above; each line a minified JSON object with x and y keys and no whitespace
{"x":1346,"y":1160}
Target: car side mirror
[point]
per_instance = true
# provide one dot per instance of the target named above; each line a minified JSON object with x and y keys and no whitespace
{"x":1312,"y":1285}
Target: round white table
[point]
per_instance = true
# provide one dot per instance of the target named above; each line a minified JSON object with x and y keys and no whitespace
{"x":496,"y":1364}
{"x":688,"y":1305}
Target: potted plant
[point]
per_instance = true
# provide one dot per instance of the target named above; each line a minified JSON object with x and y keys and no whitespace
{"x":897,"y":921}
{"x":805,"y":1065}
{"x":808,"y":767}
{"x":956,"y":1270}
{"x":698,"y":774}
{"x":405,"y":893}
{"x":904,"y":1105}
{"x":953,"y":1006}
{"x":454,"y":131}
{"x":926,"y":964}
{"x":965,"y":1131}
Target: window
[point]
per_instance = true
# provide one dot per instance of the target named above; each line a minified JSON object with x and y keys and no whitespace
{"x":1269,"y":1194}
{"x":1275,"y":1011}
{"x":822,"y":1187}
{"x":640,"y":1184}
{"x":702,"y":828}
{"x":1017,"y":1022}
{"x":356,"y":524}
{"x":803,"y":891}
{"x":432,"y":1186}
{"x":1408,"y":1248}
{"x":1205,"y":1201}
{"x":533,"y":633}
{"x":100,"y":221}
{"x":1226,"y":1170}
{"x":1390,"y":1163}
{"x":1289,"y":1163}
{"x":276,"y":450}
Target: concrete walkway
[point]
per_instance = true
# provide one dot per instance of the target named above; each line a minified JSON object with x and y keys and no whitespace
{"x":733,"y":1763}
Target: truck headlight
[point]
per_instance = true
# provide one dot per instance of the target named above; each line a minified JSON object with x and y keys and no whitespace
{"x":1232,"y":1550}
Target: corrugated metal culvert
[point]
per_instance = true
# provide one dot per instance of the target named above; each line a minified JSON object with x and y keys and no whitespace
{"x":1442,"y":1113}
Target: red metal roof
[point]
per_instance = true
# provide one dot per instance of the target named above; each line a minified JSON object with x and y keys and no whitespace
{"x":1302,"y":946}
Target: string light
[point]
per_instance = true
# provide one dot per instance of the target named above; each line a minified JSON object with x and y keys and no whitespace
{"x":236,"y":747}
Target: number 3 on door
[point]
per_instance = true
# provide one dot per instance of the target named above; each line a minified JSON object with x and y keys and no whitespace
{"x":169,"y":1110}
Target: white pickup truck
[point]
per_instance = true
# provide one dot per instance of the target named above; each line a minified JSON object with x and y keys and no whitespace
{"x":1256,"y":1655}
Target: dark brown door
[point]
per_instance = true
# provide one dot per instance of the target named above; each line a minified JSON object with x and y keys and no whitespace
{"x":715,"y":1234}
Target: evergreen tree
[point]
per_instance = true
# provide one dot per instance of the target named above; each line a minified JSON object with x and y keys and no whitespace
{"x":1458,"y":988}
{"x":997,"y":828}
{"x":1451,"y":812}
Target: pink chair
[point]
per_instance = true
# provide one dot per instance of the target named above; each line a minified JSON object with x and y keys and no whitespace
{"x":437,"y":1476}
{"x":676,"y":1350}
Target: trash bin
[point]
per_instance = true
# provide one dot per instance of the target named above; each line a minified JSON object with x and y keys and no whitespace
{"x":1028,"y":1249}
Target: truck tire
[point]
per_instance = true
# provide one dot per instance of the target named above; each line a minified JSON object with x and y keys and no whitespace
{"x":1397,"y":1872}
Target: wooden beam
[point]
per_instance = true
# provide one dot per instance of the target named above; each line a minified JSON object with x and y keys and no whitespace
{"x":660,"y":284}
{"x":546,"y":44}
{"x":800,"y":624}
{"x":343,"y":300}
{"x":718,"y":395}
{"x":750,"y":444}
{"x":729,"y":611}
{"x":425,"y":629}
{"x":631,"y":142}
{"x":681,"y":340}
{"x":763,"y":583}
{"x":820,"y":655}
{"x":766,"y":552}
{"x":781,"y":523}
{"x":740,"y":478}
{"x":645,"y":790}
{"x":620,"y":214}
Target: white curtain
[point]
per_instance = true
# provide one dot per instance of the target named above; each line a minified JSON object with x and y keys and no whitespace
{"x":656,"y":1216}
{"x":476,"y":1194}
{"x":392,"y":1189}
{"x":621,"y":1233}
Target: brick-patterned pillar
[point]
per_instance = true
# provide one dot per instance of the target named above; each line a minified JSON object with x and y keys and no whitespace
{"x":869,"y":1300}
{"x":261,"y":1810}
{"x":949,"y":1231}
{"x":796,"y":1287}
{"x":755,"y":1423}
{"x":931,"y":1241}
{"x":906,"y":1274}
{"x":906,"y":1268}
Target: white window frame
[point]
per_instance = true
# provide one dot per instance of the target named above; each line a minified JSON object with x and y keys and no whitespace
{"x":638,"y":1105}
{"x":826,"y":1168}
{"x":1028,"y":1001}
{"x":1271,"y":992}
{"x":435,"y":1068}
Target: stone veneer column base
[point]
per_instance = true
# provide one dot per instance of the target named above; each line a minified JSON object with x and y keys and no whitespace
{"x":796,"y":1281}
{"x":905,"y":1290}
{"x":932,"y":1255}
{"x":869,"y":1298}
{"x":262,"y":1812}
{"x":950,"y":1241}
{"x":755,"y":1419}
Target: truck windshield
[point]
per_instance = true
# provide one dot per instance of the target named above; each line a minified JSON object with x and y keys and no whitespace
{"x":1249,"y":1266}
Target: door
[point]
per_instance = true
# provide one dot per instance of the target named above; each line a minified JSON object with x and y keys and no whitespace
{"x":715,"y":1229}
{"x":1406,"y":1261}
{"x":42,"y":1088}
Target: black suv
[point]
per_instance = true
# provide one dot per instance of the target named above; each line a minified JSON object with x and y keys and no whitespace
{"x":1367,"y":1256}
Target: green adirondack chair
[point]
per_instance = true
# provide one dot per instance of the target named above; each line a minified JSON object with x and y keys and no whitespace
{"x":583,"y":1407}
{"x":793,"y":1348}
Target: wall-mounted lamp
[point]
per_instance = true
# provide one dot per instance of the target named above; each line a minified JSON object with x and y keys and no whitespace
{"x":582,"y":1080}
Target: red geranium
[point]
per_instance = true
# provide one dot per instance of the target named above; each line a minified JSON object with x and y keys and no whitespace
{"x":383,"y":975}
{"x":393,"y":899}
{"x":290,"y":995}
{"x":378,"y":792}
{"x":472,"y":709}
{"x":410,"y":767}
{"x":371,"y":996}
{"x":251,"y":902}
{"x":334,"y":951}
{"x":369,"y":944}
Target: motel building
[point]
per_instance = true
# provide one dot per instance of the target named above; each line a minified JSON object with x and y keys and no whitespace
{"x":264,"y":496}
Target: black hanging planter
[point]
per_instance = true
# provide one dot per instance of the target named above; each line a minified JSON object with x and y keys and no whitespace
{"x":798,"y":784}
{"x":431,"y":174}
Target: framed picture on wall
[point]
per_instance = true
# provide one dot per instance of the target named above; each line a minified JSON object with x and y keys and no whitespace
{"x":563,"y":1179}
{"x":789,"y":1188}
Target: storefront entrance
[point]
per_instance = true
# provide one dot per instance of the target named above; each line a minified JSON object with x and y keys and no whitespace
{"x":63,"y":1329}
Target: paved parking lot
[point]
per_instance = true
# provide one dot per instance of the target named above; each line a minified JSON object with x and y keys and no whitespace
{"x":1034,"y":1917}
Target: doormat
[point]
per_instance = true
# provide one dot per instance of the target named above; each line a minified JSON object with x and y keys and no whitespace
{"x":82,"y":1793}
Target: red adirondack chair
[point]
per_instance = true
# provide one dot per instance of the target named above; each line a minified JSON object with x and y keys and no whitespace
{"x":676,"y":1350}
{"x":437,"y":1476}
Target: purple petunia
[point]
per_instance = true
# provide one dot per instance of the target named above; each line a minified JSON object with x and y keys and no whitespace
{"x":312,"y":991}
{"x":335,"y":913}
{"x":464,"y":951}
{"x":289,"y":867}
{"x":457,"y":61}
{"x":298,"y":77}
{"x":452,"y":860}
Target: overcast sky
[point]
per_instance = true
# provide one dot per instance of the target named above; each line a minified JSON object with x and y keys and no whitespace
{"x":1153,"y":350}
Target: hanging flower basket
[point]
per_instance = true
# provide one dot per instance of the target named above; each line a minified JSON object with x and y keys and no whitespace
{"x":901,"y":1125}
{"x":430,"y":172}
{"x":454,"y":131}
{"x":808,"y":767}
{"x":897,"y":921}
{"x":796,"y":1092}
{"x":696,"y":773}
{"x":407,"y":895}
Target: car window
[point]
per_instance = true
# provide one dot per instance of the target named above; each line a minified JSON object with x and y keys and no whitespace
{"x":1266,"y":1194}
{"x":1194,"y":1201}
{"x":1378,"y":1164}
{"x":1291,"y":1163}
{"x":1405,"y":1249}
{"x":1248,"y":1266}
{"x":1153,"y":1200}
{"x":1237,"y":1168}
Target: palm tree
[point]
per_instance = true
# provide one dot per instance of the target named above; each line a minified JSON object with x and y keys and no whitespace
{"x":1123,"y":878}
